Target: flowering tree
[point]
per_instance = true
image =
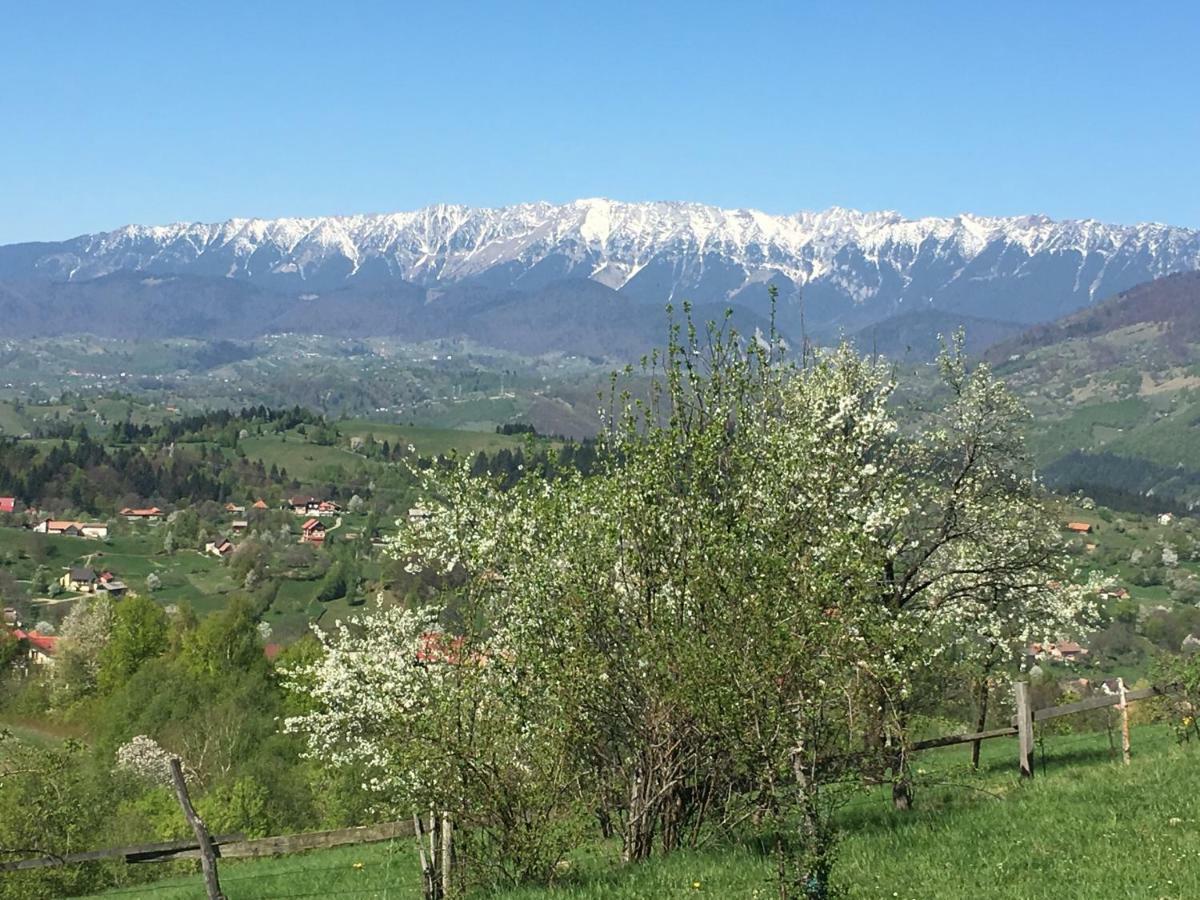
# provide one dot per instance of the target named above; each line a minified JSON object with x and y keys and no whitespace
{"x":145,"y":758}
{"x":969,"y":562}
{"x":85,"y":633}
{"x":729,"y":616}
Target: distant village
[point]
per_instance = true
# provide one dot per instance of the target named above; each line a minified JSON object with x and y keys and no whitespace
{"x":78,"y":580}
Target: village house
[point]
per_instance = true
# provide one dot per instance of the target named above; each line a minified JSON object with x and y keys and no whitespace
{"x":312,"y":532}
{"x":111,"y":585}
{"x":234,"y":508}
{"x":311,"y":506}
{"x":260,"y":504}
{"x":79,"y":579}
{"x":303,"y":505}
{"x":39,"y":648}
{"x":419,"y":514}
{"x":69,"y":528}
{"x":219,"y":547}
{"x":1060,"y":651}
{"x":239,"y":525}
{"x":59,"y":526}
{"x":149,"y":514}
{"x":11,"y":619}
{"x":1079,"y":527}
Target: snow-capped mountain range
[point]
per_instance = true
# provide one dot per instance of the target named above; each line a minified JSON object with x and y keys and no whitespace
{"x":851,"y":268}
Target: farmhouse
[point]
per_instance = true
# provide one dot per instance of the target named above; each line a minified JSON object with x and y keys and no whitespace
{"x":419,"y":514}
{"x":1079,"y":527}
{"x":59,"y":526}
{"x":239,"y":525}
{"x":234,"y":508}
{"x":98,"y":530}
{"x":39,"y":648}
{"x":312,"y":532}
{"x":260,"y":504}
{"x":220,"y":547}
{"x":79,"y":579}
{"x":149,"y":514}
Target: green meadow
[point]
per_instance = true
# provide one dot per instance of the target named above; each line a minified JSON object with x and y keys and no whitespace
{"x":1086,"y":827}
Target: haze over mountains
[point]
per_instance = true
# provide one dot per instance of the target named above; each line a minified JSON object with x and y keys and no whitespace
{"x":589,"y":276}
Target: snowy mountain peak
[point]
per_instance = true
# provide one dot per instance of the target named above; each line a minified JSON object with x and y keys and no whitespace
{"x":849,"y":264}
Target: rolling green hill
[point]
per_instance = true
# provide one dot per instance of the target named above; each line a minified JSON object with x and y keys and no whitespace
{"x":1115,"y":394}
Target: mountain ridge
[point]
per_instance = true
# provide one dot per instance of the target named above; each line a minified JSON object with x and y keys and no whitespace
{"x":854,"y":268}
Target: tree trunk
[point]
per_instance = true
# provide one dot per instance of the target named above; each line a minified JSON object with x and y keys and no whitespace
{"x":980,"y":721}
{"x":604,"y":820}
{"x":902,"y":793}
{"x":638,"y":840}
{"x":805,"y":873}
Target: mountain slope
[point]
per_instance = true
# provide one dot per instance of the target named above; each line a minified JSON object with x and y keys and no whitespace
{"x":1115,"y":392}
{"x":914,"y":335}
{"x":854,"y":268}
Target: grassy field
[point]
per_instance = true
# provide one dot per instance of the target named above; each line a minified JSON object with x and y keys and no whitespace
{"x":304,"y":461}
{"x":1085,"y":828}
{"x":432,"y":441}
{"x":11,"y":421}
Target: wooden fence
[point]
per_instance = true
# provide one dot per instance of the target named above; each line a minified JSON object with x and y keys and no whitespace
{"x":208,"y":848}
{"x":1025,"y":718}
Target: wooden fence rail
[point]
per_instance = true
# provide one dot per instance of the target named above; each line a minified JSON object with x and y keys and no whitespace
{"x":281,"y":845}
{"x":1024,"y":720}
{"x":226,"y":846}
{"x":162,"y":851}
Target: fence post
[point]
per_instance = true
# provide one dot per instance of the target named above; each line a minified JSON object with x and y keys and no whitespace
{"x":1024,"y":728}
{"x":447,"y":855}
{"x":208,"y":857}
{"x":1124,"y":707}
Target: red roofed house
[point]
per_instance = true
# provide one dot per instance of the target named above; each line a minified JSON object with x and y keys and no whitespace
{"x":40,"y":648}
{"x":260,"y":504}
{"x":8,"y":504}
{"x":221,"y":546}
{"x":59,"y":526}
{"x":71,"y":528}
{"x":437,"y":646}
{"x":152,"y":512}
{"x":312,"y":532}
{"x":1079,"y":527}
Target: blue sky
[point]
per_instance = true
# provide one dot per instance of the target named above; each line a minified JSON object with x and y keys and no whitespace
{"x":154,"y":112}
